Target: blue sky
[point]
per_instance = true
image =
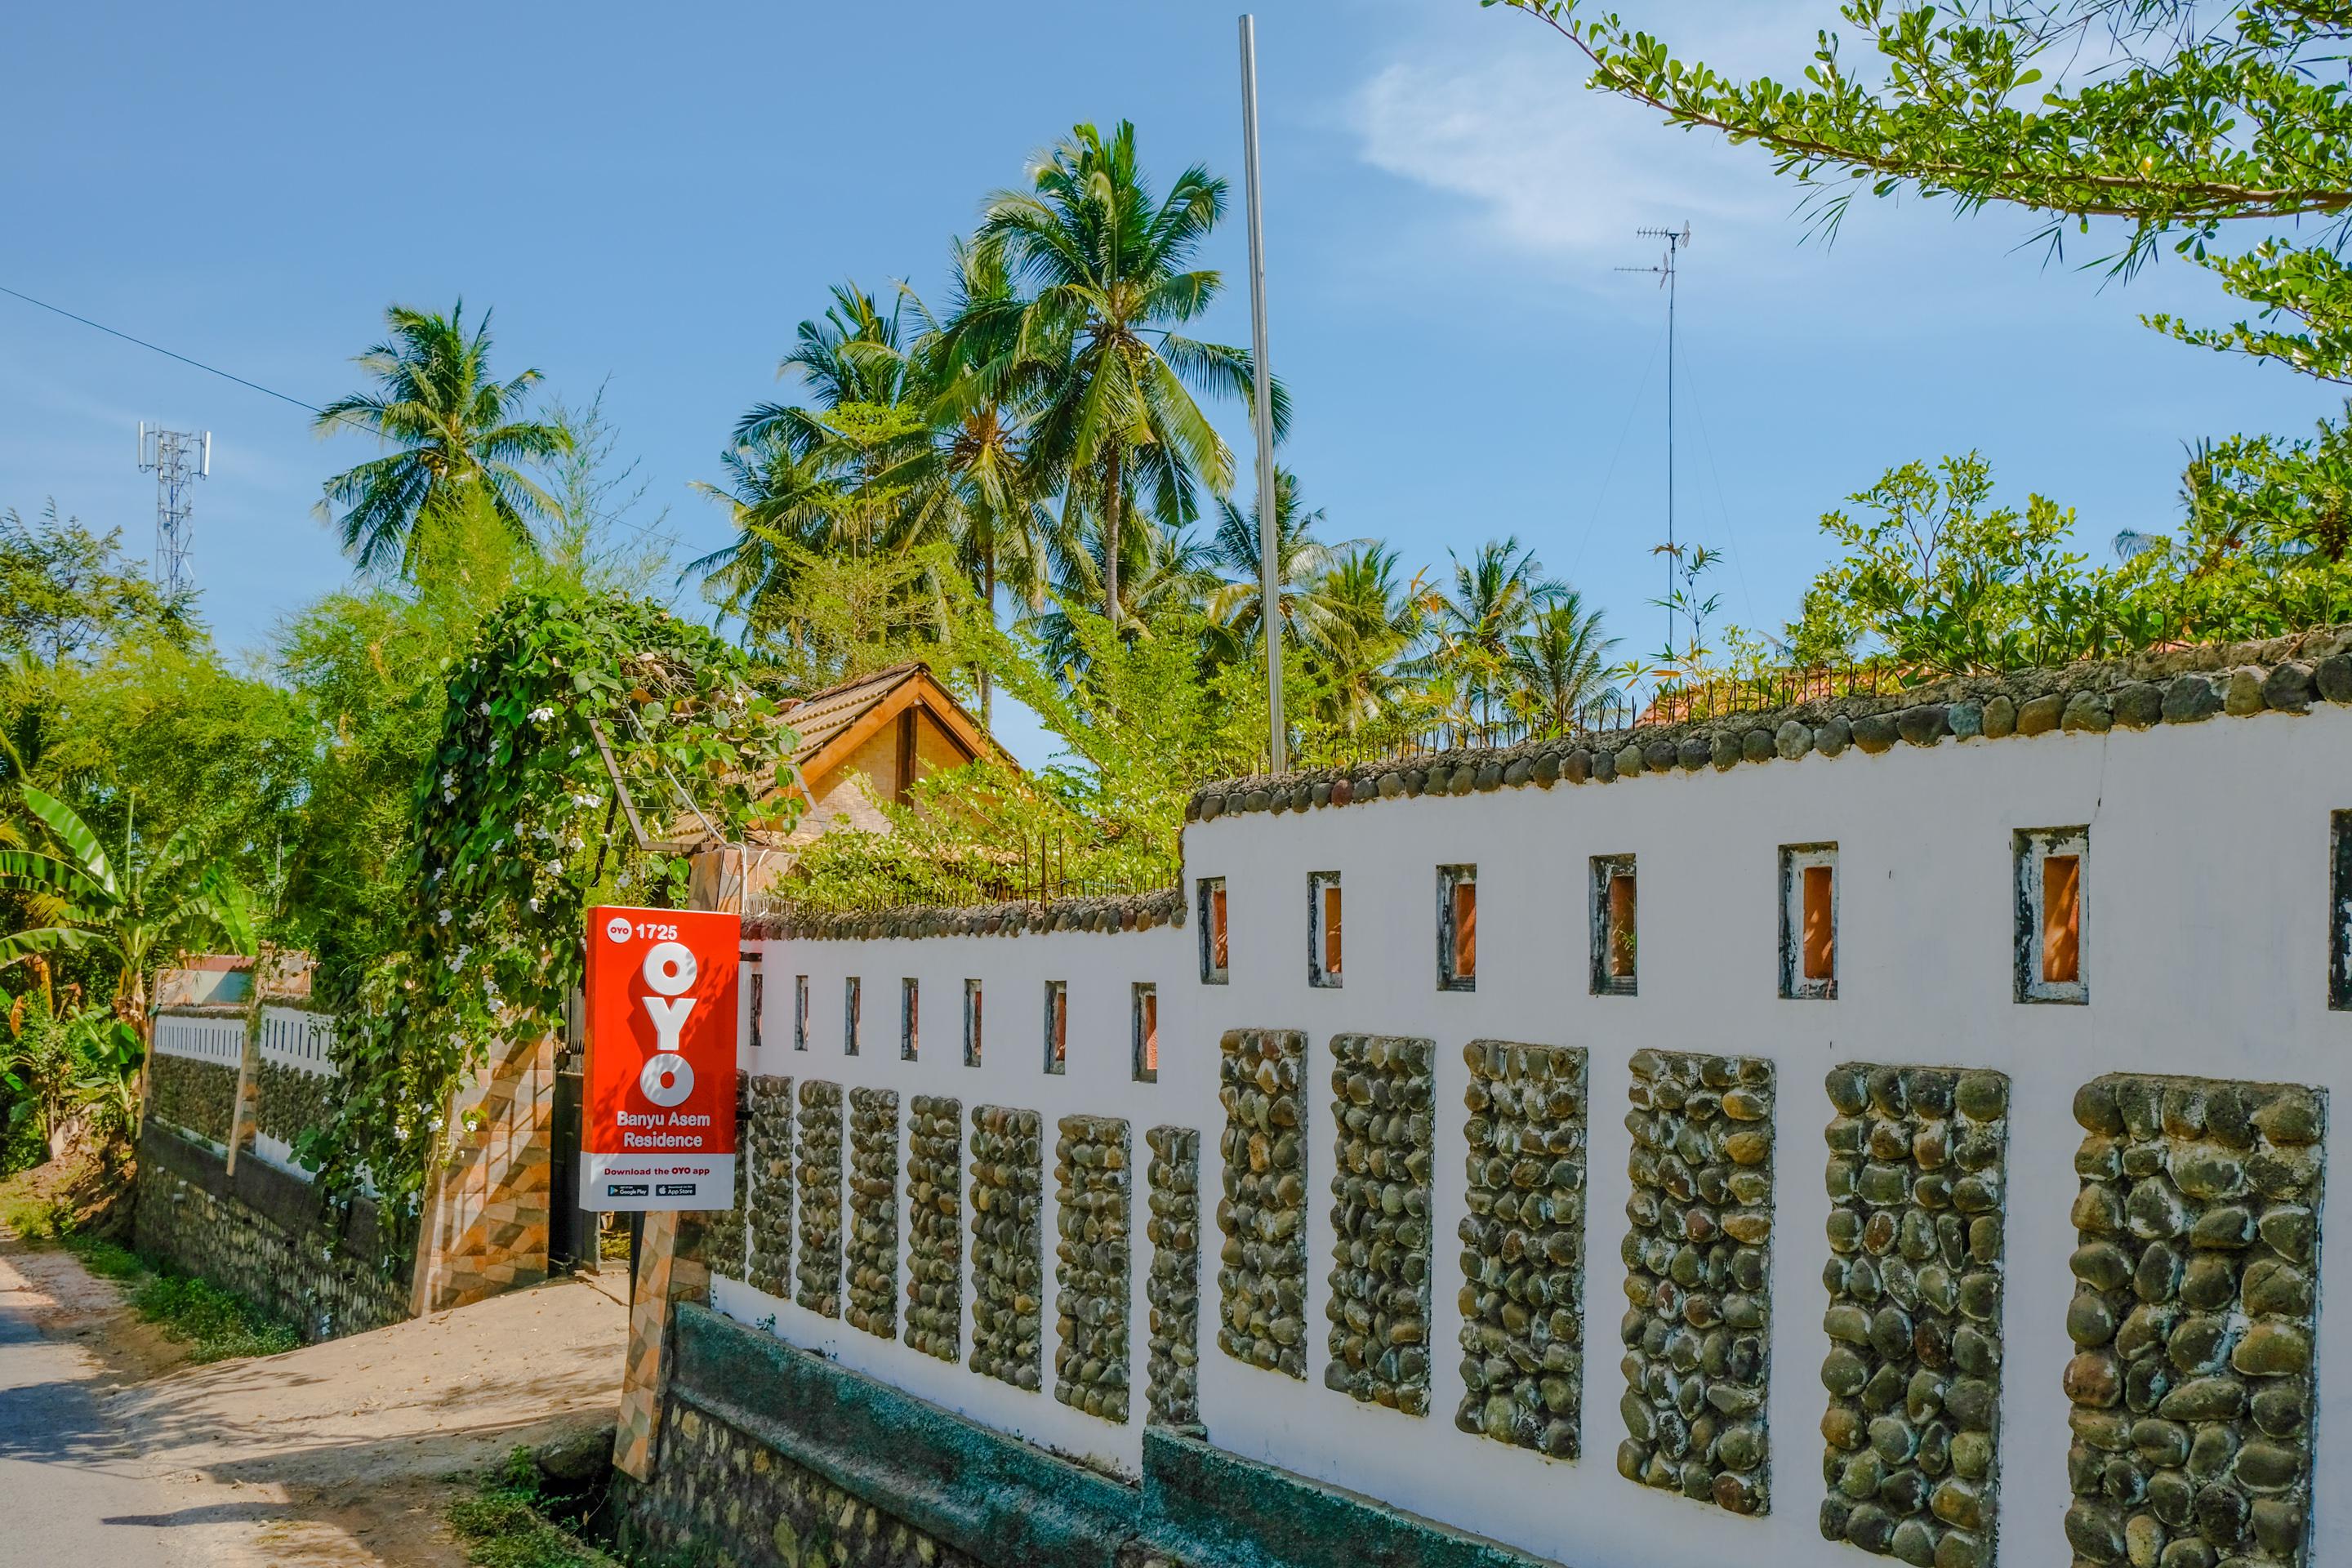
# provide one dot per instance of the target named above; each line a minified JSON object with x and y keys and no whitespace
{"x":651,"y":198}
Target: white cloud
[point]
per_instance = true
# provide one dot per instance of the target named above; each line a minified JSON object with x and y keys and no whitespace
{"x":1552,"y":168}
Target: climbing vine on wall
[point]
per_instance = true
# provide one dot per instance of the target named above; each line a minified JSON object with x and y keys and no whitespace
{"x":519,"y":830}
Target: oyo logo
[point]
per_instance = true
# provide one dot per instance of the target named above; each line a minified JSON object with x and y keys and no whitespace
{"x":618,"y":928}
{"x":670,"y":970}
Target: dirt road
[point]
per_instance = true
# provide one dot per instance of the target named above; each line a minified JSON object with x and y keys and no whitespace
{"x":341,"y":1454}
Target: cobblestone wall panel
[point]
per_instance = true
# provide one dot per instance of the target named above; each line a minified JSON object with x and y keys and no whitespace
{"x":1698,"y":1269}
{"x":818,"y":1176}
{"x":1523,"y":1247}
{"x":1092,"y":1265}
{"x":1917,"y":1167}
{"x":768,"y":1160}
{"x":1382,"y":1098}
{"x":2195,"y":1322}
{"x":873,"y":1238}
{"x":1173,"y":1286}
{"x":1007,"y":1245}
{"x":1262,"y":1281}
{"x":934,"y":1226}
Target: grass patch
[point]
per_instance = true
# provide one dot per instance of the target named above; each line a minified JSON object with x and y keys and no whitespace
{"x":215,"y":1324}
{"x":503,"y":1526}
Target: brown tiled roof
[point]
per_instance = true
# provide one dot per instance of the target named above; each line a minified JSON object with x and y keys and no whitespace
{"x":817,"y":718}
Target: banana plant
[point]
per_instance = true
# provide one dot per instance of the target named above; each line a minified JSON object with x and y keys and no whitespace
{"x":134,"y":916}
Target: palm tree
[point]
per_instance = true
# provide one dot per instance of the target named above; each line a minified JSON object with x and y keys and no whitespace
{"x":460,"y":434}
{"x":1557,"y":665}
{"x":975,"y":481}
{"x":1303,"y":565}
{"x":1494,"y":595}
{"x":808,"y":478}
{"x":1106,"y":273}
{"x":134,"y":916}
{"x":1173,"y":575}
{"x":1378,"y":618}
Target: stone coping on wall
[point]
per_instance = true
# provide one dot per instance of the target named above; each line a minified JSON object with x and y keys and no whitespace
{"x":1105,"y":912}
{"x":2185,"y":686}
{"x":1007,"y":1503}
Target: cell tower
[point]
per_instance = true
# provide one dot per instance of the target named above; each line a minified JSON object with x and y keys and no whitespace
{"x":177,"y":459}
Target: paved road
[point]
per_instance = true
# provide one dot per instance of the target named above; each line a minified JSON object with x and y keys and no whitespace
{"x":72,"y":1493}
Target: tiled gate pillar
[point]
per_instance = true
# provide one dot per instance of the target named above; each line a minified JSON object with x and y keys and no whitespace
{"x":670,"y":1261}
{"x":486,"y":1202}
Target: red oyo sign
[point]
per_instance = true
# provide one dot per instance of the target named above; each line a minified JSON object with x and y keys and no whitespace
{"x":658,"y":1128}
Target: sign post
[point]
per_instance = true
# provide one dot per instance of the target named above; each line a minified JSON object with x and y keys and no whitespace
{"x":659,"y":1124}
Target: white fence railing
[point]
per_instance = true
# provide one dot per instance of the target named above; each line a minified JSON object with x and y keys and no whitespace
{"x":212,"y":1037}
{"x":293,"y":1037}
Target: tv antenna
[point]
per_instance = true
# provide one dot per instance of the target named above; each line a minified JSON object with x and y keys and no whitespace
{"x":177,"y":459}
{"x":1667,"y":268}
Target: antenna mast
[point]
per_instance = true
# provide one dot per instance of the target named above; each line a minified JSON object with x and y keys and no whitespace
{"x":177,"y":459}
{"x":1668,"y":267}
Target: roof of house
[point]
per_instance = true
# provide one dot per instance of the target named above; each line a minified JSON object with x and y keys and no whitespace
{"x":832,"y":724}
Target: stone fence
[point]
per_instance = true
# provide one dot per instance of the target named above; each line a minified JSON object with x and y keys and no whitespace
{"x":1923,"y":1156}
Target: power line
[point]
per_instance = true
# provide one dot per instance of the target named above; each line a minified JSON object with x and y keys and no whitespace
{"x":360,"y":425}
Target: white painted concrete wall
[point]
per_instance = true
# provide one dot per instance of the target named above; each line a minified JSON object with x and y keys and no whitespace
{"x":1101,"y":971}
{"x":2206,"y":929}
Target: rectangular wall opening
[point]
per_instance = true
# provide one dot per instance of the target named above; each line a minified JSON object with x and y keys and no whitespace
{"x":2339,"y":917}
{"x":971,"y":1023}
{"x":1214,"y":951}
{"x":1323,"y":928}
{"x":2053,"y":914}
{"x":1147,"y":1033}
{"x":799,"y":1011}
{"x":1457,"y":928}
{"x":758,"y":1004}
{"x":1809,"y":892}
{"x":850,"y":1000}
{"x":1616,"y":927}
{"x":910,"y":1021}
{"x":1057,"y":1024}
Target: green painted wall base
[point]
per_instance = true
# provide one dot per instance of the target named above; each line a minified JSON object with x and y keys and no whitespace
{"x":740,"y":1402}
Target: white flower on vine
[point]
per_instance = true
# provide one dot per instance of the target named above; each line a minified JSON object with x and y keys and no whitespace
{"x":533,"y":902}
{"x":575,"y":751}
{"x":541,"y":715}
{"x":576,"y":844}
{"x":448,"y":778}
{"x":447,"y":915}
{"x":448,"y":796}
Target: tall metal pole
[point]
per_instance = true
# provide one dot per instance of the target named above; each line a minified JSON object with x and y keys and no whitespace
{"x":1672,"y":559}
{"x":1667,"y":270}
{"x":1262,"y":414}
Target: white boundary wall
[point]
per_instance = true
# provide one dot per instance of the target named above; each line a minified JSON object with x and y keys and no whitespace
{"x":2206,"y":938}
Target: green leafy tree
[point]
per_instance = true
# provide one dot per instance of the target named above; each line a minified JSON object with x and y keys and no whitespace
{"x":1937,"y":579}
{"x":135,"y":917}
{"x":1104,"y":278}
{"x":459,"y":432}
{"x":517,"y":828}
{"x":66,"y":595}
{"x":2181,"y":124}
{"x":74,"y":1073}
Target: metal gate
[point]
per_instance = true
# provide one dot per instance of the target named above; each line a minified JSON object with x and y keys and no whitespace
{"x":572,"y":1231}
